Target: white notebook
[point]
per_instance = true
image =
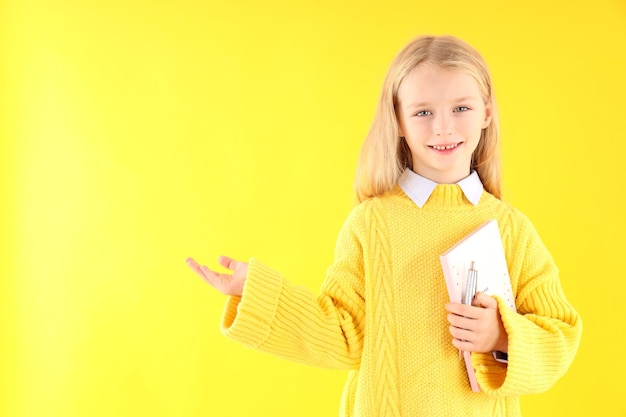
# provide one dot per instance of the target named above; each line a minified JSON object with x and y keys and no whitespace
{"x":484,"y":248}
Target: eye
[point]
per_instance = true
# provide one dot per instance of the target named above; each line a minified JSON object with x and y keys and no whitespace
{"x":461,"y":108}
{"x":423,"y":113}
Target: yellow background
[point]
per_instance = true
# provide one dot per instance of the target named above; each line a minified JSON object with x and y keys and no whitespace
{"x":137,"y":133}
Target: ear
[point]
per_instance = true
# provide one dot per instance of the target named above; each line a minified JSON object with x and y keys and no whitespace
{"x":488,"y":115}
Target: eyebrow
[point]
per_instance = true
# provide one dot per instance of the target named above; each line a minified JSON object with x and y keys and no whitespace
{"x":456,"y":100}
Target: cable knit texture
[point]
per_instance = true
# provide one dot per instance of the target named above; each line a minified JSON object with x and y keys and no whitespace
{"x":380,"y":313}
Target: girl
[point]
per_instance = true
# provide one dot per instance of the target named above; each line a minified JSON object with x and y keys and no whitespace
{"x":428,"y":175}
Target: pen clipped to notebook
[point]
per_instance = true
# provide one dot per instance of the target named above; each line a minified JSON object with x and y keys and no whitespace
{"x":470,"y":289}
{"x":471,"y":284}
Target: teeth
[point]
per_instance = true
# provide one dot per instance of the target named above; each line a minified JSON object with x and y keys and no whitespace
{"x":443,"y":148}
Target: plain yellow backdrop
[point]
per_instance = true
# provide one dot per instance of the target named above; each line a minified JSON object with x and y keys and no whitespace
{"x":137,"y":133}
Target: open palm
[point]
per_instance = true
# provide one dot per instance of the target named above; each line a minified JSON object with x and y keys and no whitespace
{"x":228,"y":284}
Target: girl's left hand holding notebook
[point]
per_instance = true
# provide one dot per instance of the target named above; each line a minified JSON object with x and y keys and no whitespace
{"x":477,"y":327}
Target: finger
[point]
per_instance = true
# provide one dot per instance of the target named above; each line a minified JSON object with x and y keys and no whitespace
{"x":463,"y":310}
{"x":216,"y":280}
{"x":194,"y":266}
{"x":208,"y":276}
{"x":485,"y":301}
{"x":456,"y":308}
{"x":463,"y":345}
{"x":228,"y":263}
{"x":462,"y":335}
{"x":460,"y":322}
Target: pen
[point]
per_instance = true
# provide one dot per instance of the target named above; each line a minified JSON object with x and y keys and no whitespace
{"x":470,"y":289}
{"x":471,"y":284}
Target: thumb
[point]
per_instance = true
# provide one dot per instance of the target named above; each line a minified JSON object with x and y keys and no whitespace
{"x":228,"y":263}
{"x":485,"y":301}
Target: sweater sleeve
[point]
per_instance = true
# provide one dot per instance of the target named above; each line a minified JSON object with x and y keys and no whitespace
{"x":291,"y":322}
{"x":545,"y":332}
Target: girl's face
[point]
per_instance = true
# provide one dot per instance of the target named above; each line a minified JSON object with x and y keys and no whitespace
{"x":441,"y":114}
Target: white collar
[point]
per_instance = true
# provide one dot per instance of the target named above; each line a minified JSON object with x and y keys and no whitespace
{"x":419,"y":188}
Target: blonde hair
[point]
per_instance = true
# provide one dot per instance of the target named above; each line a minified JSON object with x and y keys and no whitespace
{"x":384,"y":155}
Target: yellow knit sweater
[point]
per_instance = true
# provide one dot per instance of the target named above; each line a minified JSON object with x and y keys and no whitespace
{"x":381,"y":312}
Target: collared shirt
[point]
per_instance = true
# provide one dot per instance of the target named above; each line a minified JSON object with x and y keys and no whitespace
{"x":419,"y":188}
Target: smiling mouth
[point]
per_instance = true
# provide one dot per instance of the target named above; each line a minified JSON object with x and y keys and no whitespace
{"x":444,"y":147}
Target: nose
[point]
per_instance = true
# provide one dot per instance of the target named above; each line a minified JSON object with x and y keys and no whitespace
{"x":443,"y":125}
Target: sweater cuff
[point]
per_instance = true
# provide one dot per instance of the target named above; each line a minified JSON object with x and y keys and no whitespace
{"x":502,"y":379}
{"x":492,"y":374}
{"x":247,"y":319}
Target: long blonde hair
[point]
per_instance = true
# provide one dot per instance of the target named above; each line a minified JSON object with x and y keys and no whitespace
{"x":384,"y":155}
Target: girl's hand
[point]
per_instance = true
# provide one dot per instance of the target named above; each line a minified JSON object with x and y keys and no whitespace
{"x":477,"y":327}
{"x":224,"y":283}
